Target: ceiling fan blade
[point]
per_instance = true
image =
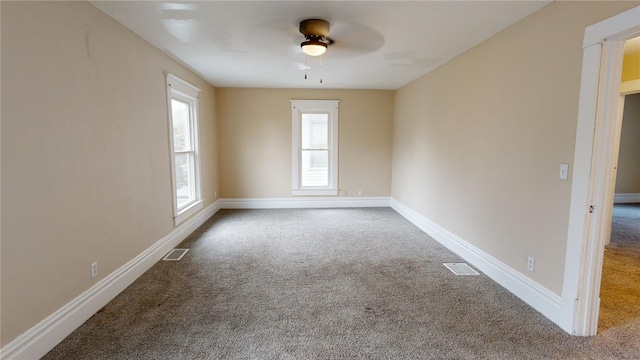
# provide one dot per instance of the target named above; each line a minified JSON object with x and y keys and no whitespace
{"x":353,"y":39}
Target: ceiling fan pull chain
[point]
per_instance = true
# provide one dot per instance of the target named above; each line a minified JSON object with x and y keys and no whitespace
{"x":305,"y":66}
{"x":321,"y":67}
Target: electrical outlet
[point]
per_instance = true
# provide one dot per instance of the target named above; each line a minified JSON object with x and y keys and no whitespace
{"x":215,"y":194}
{"x":531,"y":264}
{"x":94,"y":269}
{"x":359,"y":192}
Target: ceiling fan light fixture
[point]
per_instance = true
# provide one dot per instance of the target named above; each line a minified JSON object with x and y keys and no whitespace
{"x":314,"y":47}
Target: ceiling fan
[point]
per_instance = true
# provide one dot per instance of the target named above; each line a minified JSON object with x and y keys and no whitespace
{"x":316,"y":33}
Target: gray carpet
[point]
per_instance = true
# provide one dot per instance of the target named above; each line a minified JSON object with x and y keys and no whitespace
{"x":322,"y":284}
{"x":620,"y":287}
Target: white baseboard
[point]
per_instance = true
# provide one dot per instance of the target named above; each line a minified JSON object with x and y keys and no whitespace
{"x":45,"y":335}
{"x":626,"y":198}
{"x":304,"y":202}
{"x":540,"y":298}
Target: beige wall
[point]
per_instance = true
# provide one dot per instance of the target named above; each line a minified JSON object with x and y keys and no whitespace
{"x":255,"y":140}
{"x":85,"y":158}
{"x":628,"y":177}
{"x":479,"y":141}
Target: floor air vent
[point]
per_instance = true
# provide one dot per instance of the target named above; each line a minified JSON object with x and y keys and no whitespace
{"x":460,"y":269}
{"x":175,"y":254}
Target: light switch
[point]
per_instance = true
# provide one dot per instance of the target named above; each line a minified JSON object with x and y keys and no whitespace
{"x":564,"y":171}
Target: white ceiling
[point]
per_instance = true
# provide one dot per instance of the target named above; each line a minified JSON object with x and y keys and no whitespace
{"x":378,"y":44}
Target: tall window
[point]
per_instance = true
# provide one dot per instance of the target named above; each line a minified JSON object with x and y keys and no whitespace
{"x":183,"y":125}
{"x":314,"y":126}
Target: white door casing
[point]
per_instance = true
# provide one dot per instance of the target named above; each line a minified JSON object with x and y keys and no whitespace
{"x":593,"y":166}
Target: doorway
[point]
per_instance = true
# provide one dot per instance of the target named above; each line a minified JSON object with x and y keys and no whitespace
{"x":591,"y":196}
{"x":619,"y":290}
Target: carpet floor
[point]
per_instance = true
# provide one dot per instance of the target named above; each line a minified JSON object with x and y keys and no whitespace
{"x":620,"y":286}
{"x":323,"y":284}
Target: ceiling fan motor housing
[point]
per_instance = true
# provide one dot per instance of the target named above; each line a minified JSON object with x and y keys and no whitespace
{"x":314,"y":28}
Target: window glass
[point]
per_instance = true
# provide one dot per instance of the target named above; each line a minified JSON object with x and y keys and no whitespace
{"x":315,"y":169}
{"x":181,"y":128}
{"x":185,"y":184}
{"x":315,"y":131}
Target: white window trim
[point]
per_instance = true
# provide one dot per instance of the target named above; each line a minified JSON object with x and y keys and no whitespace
{"x":330,"y":107}
{"x":182,"y":90}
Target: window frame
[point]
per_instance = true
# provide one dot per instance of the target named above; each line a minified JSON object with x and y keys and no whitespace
{"x":181,"y":90}
{"x":299,"y":107}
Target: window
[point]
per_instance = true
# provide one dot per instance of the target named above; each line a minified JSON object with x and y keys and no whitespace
{"x":314,"y":125}
{"x":185,"y":162}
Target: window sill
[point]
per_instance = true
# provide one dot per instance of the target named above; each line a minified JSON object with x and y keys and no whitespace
{"x":187,"y":212}
{"x":314,"y":192}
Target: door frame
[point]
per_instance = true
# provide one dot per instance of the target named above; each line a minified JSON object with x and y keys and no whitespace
{"x":599,"y":102}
